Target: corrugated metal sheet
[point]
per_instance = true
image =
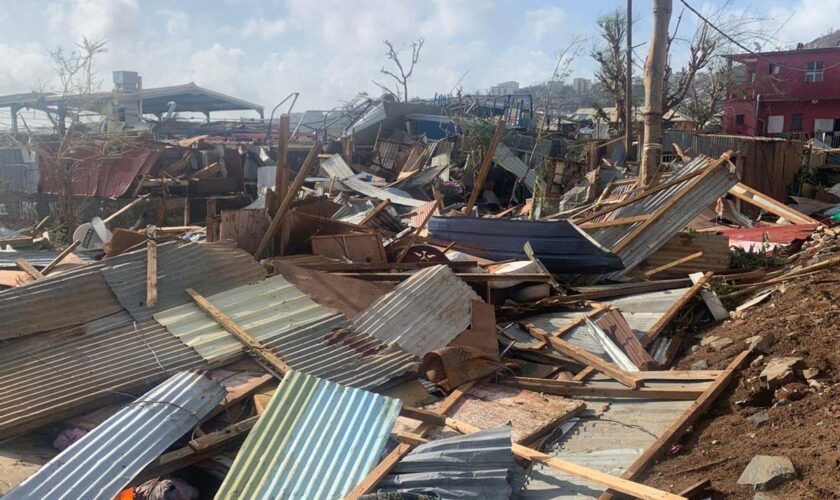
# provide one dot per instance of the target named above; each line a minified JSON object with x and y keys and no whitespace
{"x":609,"y":442}
{"x":316,"y":439}
{"x":678,"y":215}
{"x":507,"y":159}
{"x":50,"y":376}
{"x":38,"y":258}
{"x":337,"y":168}
{"x":20,"y":177}
{"x":58,"y":301}
{"x":105,"y":460}
{"x":355,"y":212}
{"x":614,"y":352}
{"x":305,"y":335}
{"x":423,"y":313}
{"x":208,"y":268}
{"x":478,"y":465}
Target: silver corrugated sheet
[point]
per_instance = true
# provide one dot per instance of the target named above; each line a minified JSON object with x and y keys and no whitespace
{"x":423,"y":313}
{"x":38,"y":258}
{"x":106,"y":459}
{"x":54,"y":375}
{"x":609,"y":442}
{"x":20,"y":177}
{"x":337,"y":168}
{"x":478,"y":465}
{"x":59,"y":301}
{"x":206,"y":267}
{"x":678,"y":215}
{"x":507,"y":159}
{"x":316,"y":439}
{"x":304,"y":334}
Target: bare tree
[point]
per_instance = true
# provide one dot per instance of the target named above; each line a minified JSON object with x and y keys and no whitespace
{"x":70,"y":108}
{"x":400,"y":90}
{"x":707,"y":94}
{"x":611,"y":59}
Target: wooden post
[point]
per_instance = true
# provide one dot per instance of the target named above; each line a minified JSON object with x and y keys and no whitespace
{"x":186,"y":210}
{"x":663,"y":320}
{"x":651,"y":154}
{"x":64,"y":253}
{"x":485,"y":166}
{"x":210,"y":222}
{"x":253,"y":347}
{"x":281,"y":175}
{"x":284,"y":207}
{"x":151,"y":274}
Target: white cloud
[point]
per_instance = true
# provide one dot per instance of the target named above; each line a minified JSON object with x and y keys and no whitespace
{"x":545,"y":21}
{"x":264,"y":28}
{"x":811,"y":19}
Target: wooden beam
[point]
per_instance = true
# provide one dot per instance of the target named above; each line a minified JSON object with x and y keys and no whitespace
{"x":484,"y":169}
{"x":376,"y":211}
{"x":355,"y":267}
{"x":687,"y":419}
{"x":765,"y":202}
{"x":308,"y":164}
{"x":660,"y":324}
{"x":239,"y":395}
{"x":599,"y":308}
{"x":468,"y":277}
{"x":64,"y":253}
{"x":39,"y":226}
{"x":560,"y":388}
{"x":413,"y":236}
{"x":393,"y":458}
{"x":584,"y":357}
{"x":134,"y":203}
{"x":253,"y":347}
{"x":281,"y":174}
{"x":696,"y":490}
{"x":675,"y":263}
{"x":151,"y":273}
{"x":790,"y":275}
{"x":29,"y":269}
{"x":615,"y":222}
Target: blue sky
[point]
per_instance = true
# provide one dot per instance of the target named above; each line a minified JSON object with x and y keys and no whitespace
{"x":328,"y":50}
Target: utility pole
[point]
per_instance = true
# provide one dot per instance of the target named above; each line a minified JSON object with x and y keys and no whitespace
{"x":628,"y":99}
{"x":651,"y":154}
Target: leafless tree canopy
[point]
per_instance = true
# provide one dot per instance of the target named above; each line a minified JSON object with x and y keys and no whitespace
{"x":403,"y":70}
{"x":707,"y":94}
{"x":610,"y":56}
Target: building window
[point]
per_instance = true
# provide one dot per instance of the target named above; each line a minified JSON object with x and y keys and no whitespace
{"x":751,"y":77}
{"x":796,"y":121}
{"x":739,"y":119}
{"x":814,"y":72}
{"x":774,"y":69}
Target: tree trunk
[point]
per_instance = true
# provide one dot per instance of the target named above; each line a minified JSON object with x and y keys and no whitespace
{"x":654,"y":85}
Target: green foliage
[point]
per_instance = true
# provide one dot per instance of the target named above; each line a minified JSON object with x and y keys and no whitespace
{"x":755,"y":257}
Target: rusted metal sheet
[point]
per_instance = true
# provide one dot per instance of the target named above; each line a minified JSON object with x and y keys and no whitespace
{"x":716,"y":255}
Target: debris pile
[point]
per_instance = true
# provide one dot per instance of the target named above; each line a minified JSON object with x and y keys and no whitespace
{"x":430,"y":304}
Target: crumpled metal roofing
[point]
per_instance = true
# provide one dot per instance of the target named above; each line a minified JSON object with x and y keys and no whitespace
{"x":678,"y":215}
{"x":337,"y":168}
{"x":54,"y":375}
{"x":304,"y":334}
{"x":206,"y":267}
{"x":507,"y":159}
{"x":316,"y":439}
{"x":423,"y":313}
{"x":355,"y":212}
{"x":105,"y":460}
{"x":38,"y":258}
{"x":478,"y":465}
{"x":58,"y":301}
{"x":609,"y":442}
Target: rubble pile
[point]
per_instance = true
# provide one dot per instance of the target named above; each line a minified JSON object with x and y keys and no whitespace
{"x":430,"y":302}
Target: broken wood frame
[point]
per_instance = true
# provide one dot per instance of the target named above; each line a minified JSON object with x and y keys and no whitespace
{"x":484,"y":169}
{"x":768,"y":204}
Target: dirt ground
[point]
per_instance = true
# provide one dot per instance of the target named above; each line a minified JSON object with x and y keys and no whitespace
{"x":804,"y":320}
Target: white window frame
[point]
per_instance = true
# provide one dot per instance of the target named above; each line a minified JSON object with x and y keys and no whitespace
{"x":814,"y":71}
{"x":775,"y":124}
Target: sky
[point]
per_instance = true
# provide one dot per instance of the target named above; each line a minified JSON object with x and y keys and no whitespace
{"x":329,"y":50}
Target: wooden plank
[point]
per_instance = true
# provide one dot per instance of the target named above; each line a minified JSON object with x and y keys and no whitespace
{"x":675,"y":263}
{"x":253,"y":347}
{"x":561,"y":388}
{"x":134,"y":203}
{"x":17,"y":241}
{"x":245,"y":227}
{"x":350,"y":267}
{"x":687,"y":419}
{"x":660,"y":324}
{"x":285,"y":205}
{"x":697,"y":490}
{"x":239,"y":394}
{"x":375,"y":212}
{"x":719,"y":312}
{"x":617,"y":329}
{"x":64,"y":253}
{"x":715,"y":255}
{"x":210,"y":221}
{"x":281,"y":173}
{"x":356,"y":247}
{"x":789,"y":275}
{"x":584,"y":357}
{"x":484,"y":169}
{"x":151,"y":274}
{"x":29,"y":269}
{"x":468,"y":277}
{"x":393,"y":458}
{"x":765,"y":202}
{"x":416,"y":232}
{"x":614,"y":222}
{"x":599,"y":308}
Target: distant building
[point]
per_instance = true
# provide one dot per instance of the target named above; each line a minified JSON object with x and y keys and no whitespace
{"x":581,"y":85}
{"x":790,"y":93}
{"x":504,"y":88}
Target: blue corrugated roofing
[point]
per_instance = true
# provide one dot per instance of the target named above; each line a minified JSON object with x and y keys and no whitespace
{"x":316,"y":439}
{"x":106,"y":459}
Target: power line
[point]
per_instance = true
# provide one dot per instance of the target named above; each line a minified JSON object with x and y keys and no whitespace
{"x":742,"y":47}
